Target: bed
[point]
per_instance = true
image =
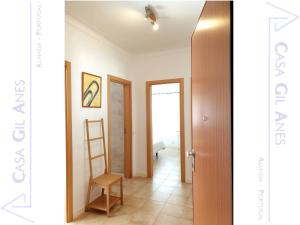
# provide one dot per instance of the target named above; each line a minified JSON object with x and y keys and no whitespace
{"x":158,"y":146}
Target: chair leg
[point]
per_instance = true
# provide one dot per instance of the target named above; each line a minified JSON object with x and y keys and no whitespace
{"x":88,"y":194}
{"x":107,"y":200}
{"x":121,"y":190}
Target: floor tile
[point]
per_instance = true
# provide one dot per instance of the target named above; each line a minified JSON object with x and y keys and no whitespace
{"x":162,"y":200}
{"x":143,"y":218}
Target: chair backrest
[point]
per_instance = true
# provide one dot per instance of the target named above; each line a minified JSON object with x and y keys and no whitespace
{"x":89,"y":140}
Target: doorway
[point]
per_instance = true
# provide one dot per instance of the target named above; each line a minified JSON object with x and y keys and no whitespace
{"x":119,"y":111}
{"x":164,"y":142}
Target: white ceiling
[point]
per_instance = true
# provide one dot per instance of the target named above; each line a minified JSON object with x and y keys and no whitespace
{"x":123,"y":23}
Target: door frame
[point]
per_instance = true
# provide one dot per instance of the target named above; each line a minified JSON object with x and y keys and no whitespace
{"x":127,"y":87}
{"x":180,"y":81}
{"x":69,"y":160}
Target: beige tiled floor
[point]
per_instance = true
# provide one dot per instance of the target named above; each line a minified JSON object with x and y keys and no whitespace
{"x":162,"y":200}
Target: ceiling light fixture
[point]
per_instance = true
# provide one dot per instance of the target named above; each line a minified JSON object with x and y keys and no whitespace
{"x":150,"y":15}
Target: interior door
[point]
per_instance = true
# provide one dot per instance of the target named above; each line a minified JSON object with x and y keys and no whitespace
{"x":127,"y":131}
{"x":211,"y":116}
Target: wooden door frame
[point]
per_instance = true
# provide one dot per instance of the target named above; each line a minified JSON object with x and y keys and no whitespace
{"x":69,"y":160}
{"x":180,"y":81}
{"x":127,"y":123}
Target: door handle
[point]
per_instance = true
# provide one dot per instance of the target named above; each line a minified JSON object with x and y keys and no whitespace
{"x":191,"y":154}
{"x":204,"y":118}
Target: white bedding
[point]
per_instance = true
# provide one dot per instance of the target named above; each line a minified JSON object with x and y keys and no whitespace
{"x":158,"y":146}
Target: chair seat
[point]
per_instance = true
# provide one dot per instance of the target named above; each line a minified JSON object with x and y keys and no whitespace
{"x":106,"y":179}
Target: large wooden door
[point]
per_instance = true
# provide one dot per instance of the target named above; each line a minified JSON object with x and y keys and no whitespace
{"x":211,"y":116}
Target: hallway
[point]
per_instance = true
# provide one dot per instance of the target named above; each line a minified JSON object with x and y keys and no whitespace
{"x":157,"y":201}
{"x":168,"y":165}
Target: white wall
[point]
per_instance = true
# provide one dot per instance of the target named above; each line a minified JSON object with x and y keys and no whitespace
{"x":90,"y":53}
{"x":158,"y":66}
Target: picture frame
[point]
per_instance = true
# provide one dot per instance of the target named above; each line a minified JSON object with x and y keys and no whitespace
{"x":91,"y":90}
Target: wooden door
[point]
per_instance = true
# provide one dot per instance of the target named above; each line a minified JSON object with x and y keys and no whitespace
{"x":211,"y":116}
{"x":127,"y":131}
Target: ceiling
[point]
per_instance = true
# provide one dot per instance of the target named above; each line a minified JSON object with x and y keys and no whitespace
{"x":123,"y":22}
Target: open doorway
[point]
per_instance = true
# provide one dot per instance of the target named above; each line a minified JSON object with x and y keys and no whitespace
{"x":119,"y":126}
{"x":165,"y":129}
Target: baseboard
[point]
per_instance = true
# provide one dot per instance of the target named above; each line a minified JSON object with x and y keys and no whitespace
{"x":79,"y":214}
{"x":139,"y":175}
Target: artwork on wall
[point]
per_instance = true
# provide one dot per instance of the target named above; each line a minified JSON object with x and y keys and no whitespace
{"x":91,"y":90}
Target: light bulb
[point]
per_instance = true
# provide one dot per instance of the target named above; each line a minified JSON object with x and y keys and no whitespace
{"x":155,"y":26}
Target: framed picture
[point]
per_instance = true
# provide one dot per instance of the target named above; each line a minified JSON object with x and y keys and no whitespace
{"x":91,"y":90}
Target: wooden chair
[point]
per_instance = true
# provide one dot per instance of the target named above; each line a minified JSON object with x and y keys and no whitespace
{"x":104,"y":181}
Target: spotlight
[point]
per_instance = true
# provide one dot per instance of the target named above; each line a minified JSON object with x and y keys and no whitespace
{"x":155,"y":26}
{"x":150,"y":15}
